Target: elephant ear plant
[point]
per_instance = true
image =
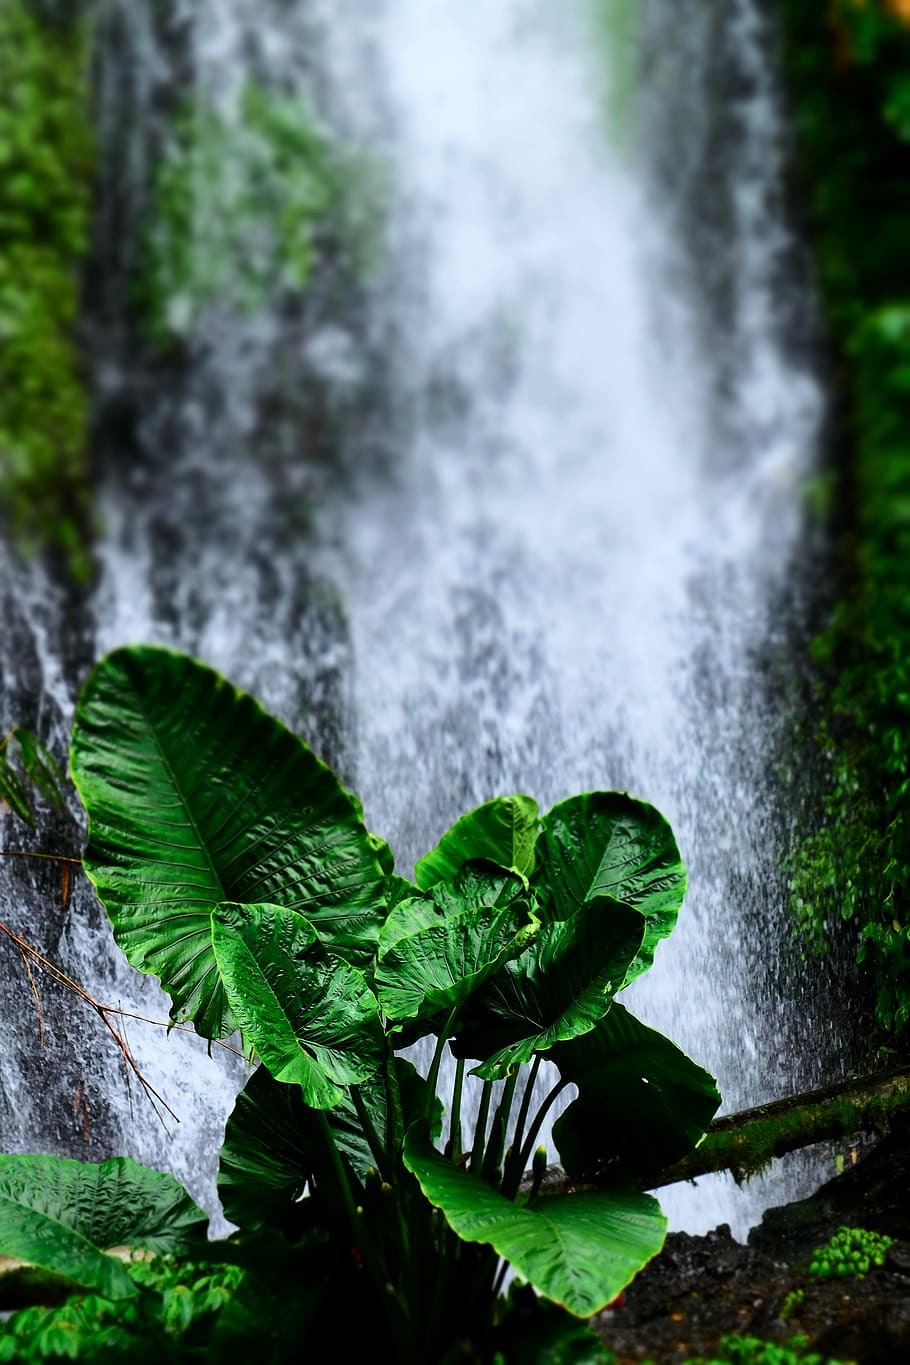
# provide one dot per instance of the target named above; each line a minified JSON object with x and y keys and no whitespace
{"x":234,"y":866}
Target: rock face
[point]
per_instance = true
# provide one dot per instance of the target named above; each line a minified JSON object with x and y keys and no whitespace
{"x":701,"y":1289}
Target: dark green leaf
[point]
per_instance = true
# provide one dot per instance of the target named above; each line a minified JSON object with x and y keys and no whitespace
{"x":580,"y":1250}
{"x":63,"y":1215}
{"x":273,"y":1143}
{"x":435,"y":952}
{"x":311,"y":1016}
{"x":503,"y":831}
{"x":196,"y":796}
{"x":557,"y":989}
{"x":641,"y":1101}
{"x":607,"y":844}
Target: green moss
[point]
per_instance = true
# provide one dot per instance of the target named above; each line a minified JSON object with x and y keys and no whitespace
{"x":849,"y":72}
{"x":243,"y":206}
{"x":615,"y":26}
{"x":46,"y":175}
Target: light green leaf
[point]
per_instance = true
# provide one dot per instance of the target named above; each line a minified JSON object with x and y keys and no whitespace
{"x":608,"y":844}
{"x":557,"y":989}
{"x":641,"y":1100}
{"x":580,"y":1250}
{"x":195,"y":797}
{"x":311,"y":1017}
{"x":503,"y":831}
{"x":63,"y":1215}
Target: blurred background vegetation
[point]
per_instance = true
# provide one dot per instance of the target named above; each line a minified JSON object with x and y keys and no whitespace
{"x":46,"y":190}
{"x":848,"y":74}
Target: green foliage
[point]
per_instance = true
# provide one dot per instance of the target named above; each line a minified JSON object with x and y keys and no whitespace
{"x":46,"y":176}
{"x":850,"y":75}
{"x":228,"y":855}
{"x":851,"y":1251}
{"x":169,"y":1316}
{"x":792,"y":1302}
{"x":243,"y":206}
{"x":742,"y":1350}
{"x":63,"y":1216}
{"x":28,"y":770}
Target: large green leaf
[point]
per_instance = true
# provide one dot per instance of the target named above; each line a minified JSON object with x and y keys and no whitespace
{"x":63,"y":1215}
{"x":436,"y":951}
{"x":557,"y":989}
{"x":608,"y":844}
{"x":641,"y":1101}
{"x":311,"y":1016}
{"x":273,"y":1142}
{"x":580,"y":1249}
{"x":503,"y":831}
{"x":196,"y":796}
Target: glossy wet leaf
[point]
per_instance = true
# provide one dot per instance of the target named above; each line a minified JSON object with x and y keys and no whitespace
{"x":502,"y":831}
{"x":641,"y":1101}
{"x":608,"y":844}
{"x":557,"y":989}
{"x":62,"y":1216}
{"x":580,"y":1249}
{"x":436,"y":951}
{"x":196,"y":796}
{"x":310,"y":1016}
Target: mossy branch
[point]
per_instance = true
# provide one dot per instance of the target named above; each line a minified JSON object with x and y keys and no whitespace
{"x":745,"y":1143}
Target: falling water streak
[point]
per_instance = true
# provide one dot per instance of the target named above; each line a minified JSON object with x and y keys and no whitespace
{"x":573,"y":577}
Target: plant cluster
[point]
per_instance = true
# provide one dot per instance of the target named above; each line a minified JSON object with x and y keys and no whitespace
{"x":742,"y":1350}
{"x":235,"y":867}
{"x":849,"y":67}
{"x":46,"y":178}
{"x":851,"y":1251}
{"x":243,"y":205}
{"x":171,"y":1317}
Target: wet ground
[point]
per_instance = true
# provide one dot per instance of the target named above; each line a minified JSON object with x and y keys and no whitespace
{"x":701,"y":1289}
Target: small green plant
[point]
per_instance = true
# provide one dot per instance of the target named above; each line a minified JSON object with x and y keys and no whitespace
{"x":27,"y":769}
{"x":792,"y":1302}
{"x":743,"y":1350}
{"x":234,"y":866}
{"x":243,"y":206}
{"x":851,"y":1251}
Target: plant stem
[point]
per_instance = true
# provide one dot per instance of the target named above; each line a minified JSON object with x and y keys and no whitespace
{"x":518,"y":1135}
{"x":453,"y":1146}
{"x":510,"y":1186}
{"x":433,"y":1073}
{"x":496,"y":1146}
{"x":500,"y":1278}
{"x":480,"y":1127}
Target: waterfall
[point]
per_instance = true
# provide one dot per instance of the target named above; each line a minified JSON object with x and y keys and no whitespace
{"x":524,"y":513}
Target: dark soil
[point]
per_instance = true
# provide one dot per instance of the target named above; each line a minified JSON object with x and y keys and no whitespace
{"x":701,"y":1289}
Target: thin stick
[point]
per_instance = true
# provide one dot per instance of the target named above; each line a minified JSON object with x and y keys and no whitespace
{"x":32,"y":956}
{"x":29,"y":853}
{"x":34,"y":986}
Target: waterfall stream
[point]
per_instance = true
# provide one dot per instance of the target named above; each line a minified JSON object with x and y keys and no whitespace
{"x":526,"y":516}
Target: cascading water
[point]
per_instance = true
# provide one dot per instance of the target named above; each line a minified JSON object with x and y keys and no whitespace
{"x":564,"y":514}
